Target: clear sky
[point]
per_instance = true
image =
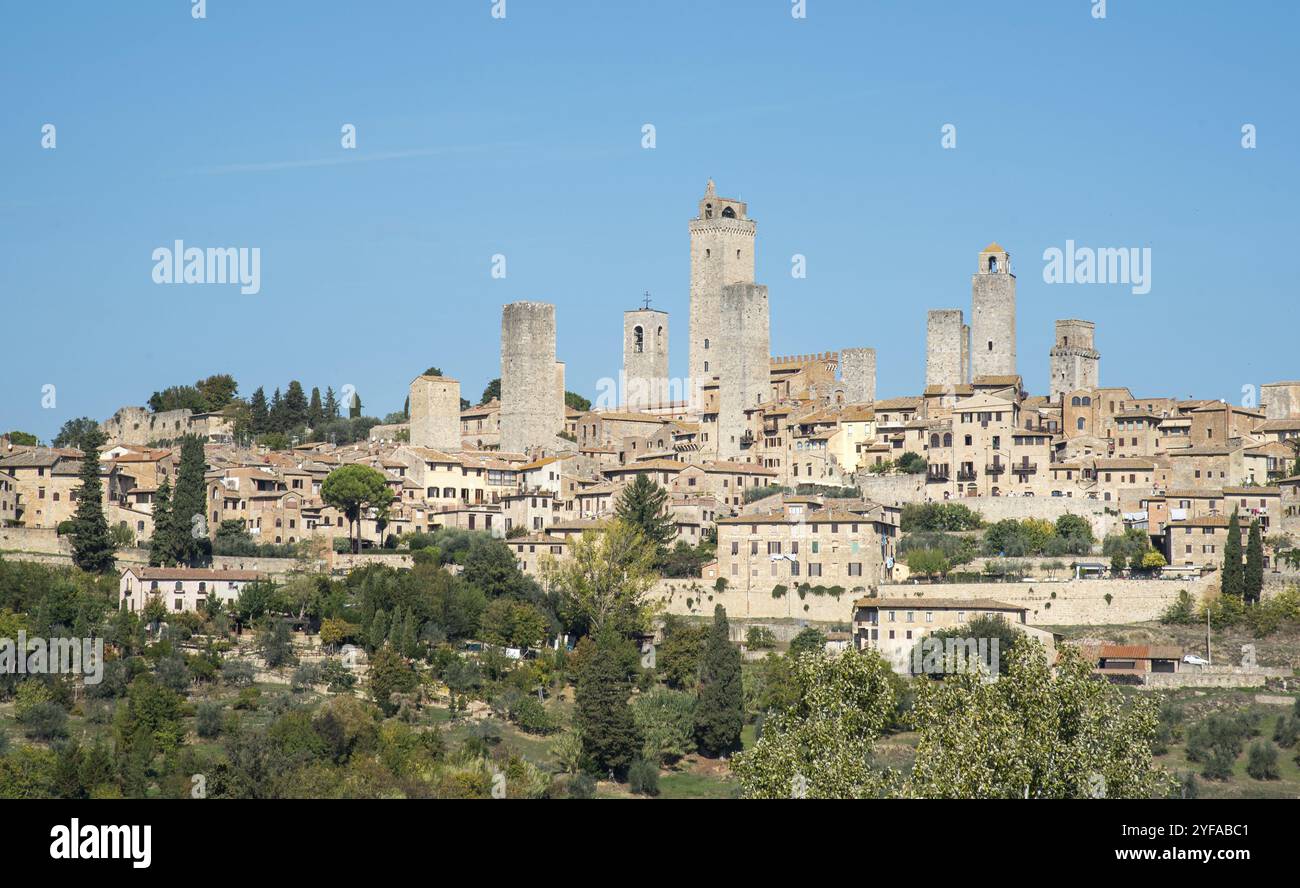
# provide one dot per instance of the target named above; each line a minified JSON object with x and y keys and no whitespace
{"x":522,"y":136}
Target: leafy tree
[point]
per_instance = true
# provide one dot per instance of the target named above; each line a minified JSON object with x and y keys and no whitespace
{"x":808,"y":641}
{"x":986,"y":627}
{"x":677,"y":657}
{"x":1253,"y":578}
{"x":1070,"y":526}
{"x":928,"y":562}
{"x":390,"y":673}
{"x":178,"y":397}
{"x":218,"y":391}
{"x":76,"y":431}
{"x":605,"y":580}
{"x":911,"y":463}
{"x":1233,"y":582}
{"x":719,"y":715}
{"x":513,"y":623}
{"x":643,"y":504}
{"x":92,"y":548}
{"x":819,"y":745}
{"x":576,"y":401}
{"x":352,"y":488}
{"x":602,"y":715}
{"x":492,"y":392}
{"x":1153,"y":560}
{"x":1041,"y":732}
{"x":939,"y":516}
{"x":643,"y":777}
{"x":666,"y":720}
{"x":1262,"y":763}
{"x":22,"y":439}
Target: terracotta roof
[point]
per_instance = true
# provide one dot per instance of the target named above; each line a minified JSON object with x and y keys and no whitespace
{"x":192,"y":573}
{"x":923,"y":603}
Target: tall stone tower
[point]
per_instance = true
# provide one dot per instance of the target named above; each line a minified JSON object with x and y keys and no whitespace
{"x":722,"y":253}
{"x":744,"y":364}
{"x":1075,"y":360}
{"x":528,"y":377}
{"x":435,"y":413}
{"x":645,"y":358}
{"x":946,"y":355}
{"x":993,"y":315}
{"x":561,"y":409}
{"x":858,"y":373}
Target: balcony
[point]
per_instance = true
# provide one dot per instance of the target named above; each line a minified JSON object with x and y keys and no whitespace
{"x":1025,"y":468}
{"x":936,"y":473}
{"x":994,"y":469}
{"x":966,"y":474}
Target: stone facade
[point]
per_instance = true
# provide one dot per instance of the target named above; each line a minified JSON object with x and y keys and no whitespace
{"x":993,"y":315}
{"x":1280,"y":400}
{"x":858,"y":372}
{"x":722,"y":253}
{"x":435,"y":413}
{"x":945,"y":348}
{"x":1074,"y":358}
{"x":529,"y":416}
{"x":743,"y":364}
{"x":645,"y":358}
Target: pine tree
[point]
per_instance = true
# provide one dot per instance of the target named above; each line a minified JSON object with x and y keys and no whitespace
{"x":92,"y":547}
{"x":379,"y":629}
{"x":1254,"y":576}
{"x":259,"y":417}
{"x":719,"y":714}
{"x":189,"y":528}
{"x":275,"y":415}
{"x":161,"y":544}
{"x":610,"y":739}
{"x":331,"y":408}
{"x":315,"y":412}
{"x":643,"y":504}
{"x":1233,"y":582}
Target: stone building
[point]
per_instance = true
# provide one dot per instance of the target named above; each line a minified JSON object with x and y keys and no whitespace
{"x":1280,"y":400}
{"x":858,"y":372}
{"x":993,"y":315}
{"x":530,"y":417}
{"x":1074,"y":358}
{"x":743,"y":365}
{"x":645,"y":358}
{"x":722,"y":253}
{"x":435,"y":413}
{"x":946,"y":349}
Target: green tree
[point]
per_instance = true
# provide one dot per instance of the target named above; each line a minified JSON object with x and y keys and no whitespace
{"x":1233,"y":582}
{"x":513,"y":624}
{"x":644,"y":505}
{"x":576,"y":401}
{"x":492,"y":392}
{"x":911,"y":463}
{"x":666,"y":720}
{"x":92,"y":548}
{"x":809,"y":640}
{"x":189,"y":533}
{"x":820,"y":745}
{"x":162,"y":545}
{"x":295,"y":406}
{"x":315,"y":412}
{"x":259,"y":417}
{"x":22,"y":439}
{"x":76,"y":431}
{"x":927,"y":562}
{"x":353,"y":488}
{"x":720,"y":712}
{"x":390,"y":673}
{"x":331,"y":407}
{"x":1043,"y":731}
{"x":1253,"y":578}
{"x":610,"y":739}
{"x":605,"y":580}
{"x":218,"y":391}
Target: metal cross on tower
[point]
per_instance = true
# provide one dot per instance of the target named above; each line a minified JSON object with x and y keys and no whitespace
{"x":647,"y":299}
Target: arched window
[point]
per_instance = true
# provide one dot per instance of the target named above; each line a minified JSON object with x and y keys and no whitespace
{"x":1087,"y":402}
{"x":180,"y":587}
{"x":1079,"y":424}
{"x":706,"y":343}
{"x":934,"y":440}
{"x":947,"y":439}
{"x":728,"y":213}
{"x":1075,"y":402}
{"x":638,"y":336}
{"x":993,"y":263}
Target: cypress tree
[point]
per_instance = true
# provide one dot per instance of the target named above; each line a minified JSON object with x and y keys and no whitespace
{"x":92,"y":547}
{"x":719,"y":712}
{"x":189,"y":537}
{"x":1254,"y":575}
{"x":275,"y":415}
{"x":610,"y":739}
{"x":259,"y":415}
{"x":331,"y":408}
{"x":161,"y":544}
{"x":295,"y":406}
{"x":315,"y":412}
{"x":643,"y":504}
{"x":1233,"y":582}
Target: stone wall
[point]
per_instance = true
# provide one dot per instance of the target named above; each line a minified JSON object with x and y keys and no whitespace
{"x":858,"y":372}
{"x":698,"y":598}
{"x":944,"y":349}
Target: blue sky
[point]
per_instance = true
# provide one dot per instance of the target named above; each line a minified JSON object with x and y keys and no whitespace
{"x":522,"y":136}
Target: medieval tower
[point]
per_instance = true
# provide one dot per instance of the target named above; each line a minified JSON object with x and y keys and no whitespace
{"x":722,"y":253}
{"x":435,"y":413}
{"x":744,"y":364}
{"x":645,"y":358}
{"x":1074,"y":358}
{"x":529,"y":377}
{"x":858,"y":373}
{"x":993,"y":315}
{"x":947,"y":360}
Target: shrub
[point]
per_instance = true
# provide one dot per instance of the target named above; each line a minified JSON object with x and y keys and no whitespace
{"x":207,"y":719}
{"x":45,"y":721}
{"x":306,"y":675}
{"x":1286,"y":731}
{"x":939,"y":516}
{"x":581,"y":786}
{"x":237,"y":673}
{"x":760,"y":637}
{"x":1262,"y":764}
{"x":643,"y":777}
{"x":531,"y":716}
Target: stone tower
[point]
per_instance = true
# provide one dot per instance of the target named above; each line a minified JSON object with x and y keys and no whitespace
{"x":744,"y":364}
{"x":435,"y":413}
{"x":561,"y":409}
{"x":722,"y":253}
{"x":993,"y":315}
{"x":1075,"y":360}
{"x":645,"y":358}
{"x":858,"y":373}
{"x":946,"y":355}
{"x":528,"y":377}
